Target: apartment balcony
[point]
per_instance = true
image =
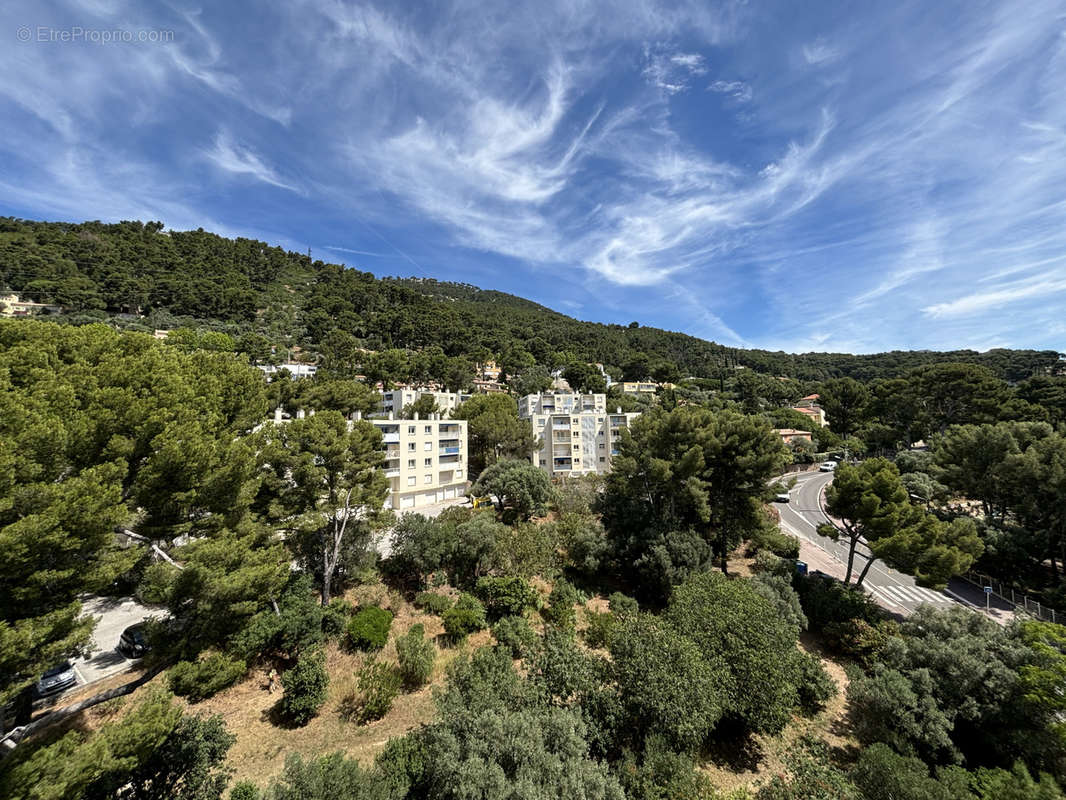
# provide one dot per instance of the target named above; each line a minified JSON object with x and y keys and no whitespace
{"x":392,"y":472}
{"x":450,"y":451}
{"x":391,"y":438}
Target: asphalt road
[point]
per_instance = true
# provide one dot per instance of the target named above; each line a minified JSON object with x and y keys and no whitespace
{"x":893,"y":590}
{"x":113,"y":615}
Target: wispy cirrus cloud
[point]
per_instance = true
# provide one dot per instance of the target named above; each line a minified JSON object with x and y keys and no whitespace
{"x":738,"y":90}
{"x":699,"y":163}
{"x":820,"y":52}
{"x":235,"y":158}
{"x":671,"y":73}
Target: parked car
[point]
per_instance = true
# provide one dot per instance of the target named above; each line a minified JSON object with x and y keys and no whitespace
{"x":827,"y":466}
{"x":782,"y":497}
{"x":133,"y":643}
{"x":57,"y":679}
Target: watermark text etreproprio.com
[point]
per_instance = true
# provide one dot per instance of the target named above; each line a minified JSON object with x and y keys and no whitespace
{"x":77,"y":34}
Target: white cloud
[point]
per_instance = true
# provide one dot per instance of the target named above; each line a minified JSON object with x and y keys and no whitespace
{"x":1042,"y":287}
{"x":233,"y":157}
{"x":916,"y":178}
{"x":671,"y":73}
{"x":738,"y":90}
{"x":820,"y":52}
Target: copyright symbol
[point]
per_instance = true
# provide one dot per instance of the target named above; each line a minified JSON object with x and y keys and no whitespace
{"x":23,"y":34}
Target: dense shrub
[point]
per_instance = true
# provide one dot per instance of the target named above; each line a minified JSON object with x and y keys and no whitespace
{"x":814,"y":686}
{"x":465,"y":617}
{"x":767,"y":562}
{"x":736,"y":626}
{"x":560,"y":611}
{"x":516,"y":635}
{"x":858,"y":639}
{"x":420,"y":547}
{"x":330,"y":777}
{"x":432,"y":602}
{"x":335,"y":616}
{"x":882,"y":774}
{"x":378,"y":685}
{"x":298,"y":625}
{"x":585,"y":542}
{"x":244,"y":790}
{"x":196,"y":680}
{"x":506,"y":597}
{"x":770,"y":537}
{"x":622,"y":604}
{"x":305,"y":686}
{"x":600,"y":628}
{"x":416,"y":656}
{"x":526,"y":549}
{"x":666,"y":685}
{"x":369,"y":628}
{"x":778,"y":590}
{"x":664,"y":774}
{"x":826,"y":600}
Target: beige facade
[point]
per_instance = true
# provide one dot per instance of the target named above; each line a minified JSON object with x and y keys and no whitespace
{"x":644,"y":387}
{"x":394,"y":400}
{"x":12,"y":306}
{"x":560,"y":403}
{"x":814,"y":412}
{"x":789,"y":435}
{"x":579,"y":442}
{"x":425,"y":460}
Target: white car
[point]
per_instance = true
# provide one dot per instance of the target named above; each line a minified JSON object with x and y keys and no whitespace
{"x":827,"y":466}
{"x":783,"y":497}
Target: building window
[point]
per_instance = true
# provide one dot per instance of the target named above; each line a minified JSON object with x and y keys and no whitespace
{"x":411,"y":481}
{"x":429,"y":429}
{"x":429,"y":462}
{"x":428,"y":480}
{"x":601,"y":446}
{"x":603,"y":459}
{"x":411,"y":429}
{"x":411,"y":447}
{"x":410,"y":463}
{"x":428,"y":446}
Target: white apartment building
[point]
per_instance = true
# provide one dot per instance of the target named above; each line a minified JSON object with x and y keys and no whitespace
{"x":394,"y":400}
{"x":579,"y":441}
{"x":560,"y":403}
{"x":297,"y":370}
{"x":425,"y":460}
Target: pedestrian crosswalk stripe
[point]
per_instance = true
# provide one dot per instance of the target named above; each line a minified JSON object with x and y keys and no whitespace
{"x":911,"y":594}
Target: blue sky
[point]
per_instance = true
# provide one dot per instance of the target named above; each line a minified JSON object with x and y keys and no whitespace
{"x":849,"y":176}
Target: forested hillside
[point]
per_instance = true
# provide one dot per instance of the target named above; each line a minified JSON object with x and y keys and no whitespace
{"x":95,"y":270}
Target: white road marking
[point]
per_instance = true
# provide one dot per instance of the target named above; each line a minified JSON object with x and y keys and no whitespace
{"x":912,"y":594}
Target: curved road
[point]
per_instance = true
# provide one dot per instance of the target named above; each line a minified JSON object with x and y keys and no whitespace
{"x":894,"y":590}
